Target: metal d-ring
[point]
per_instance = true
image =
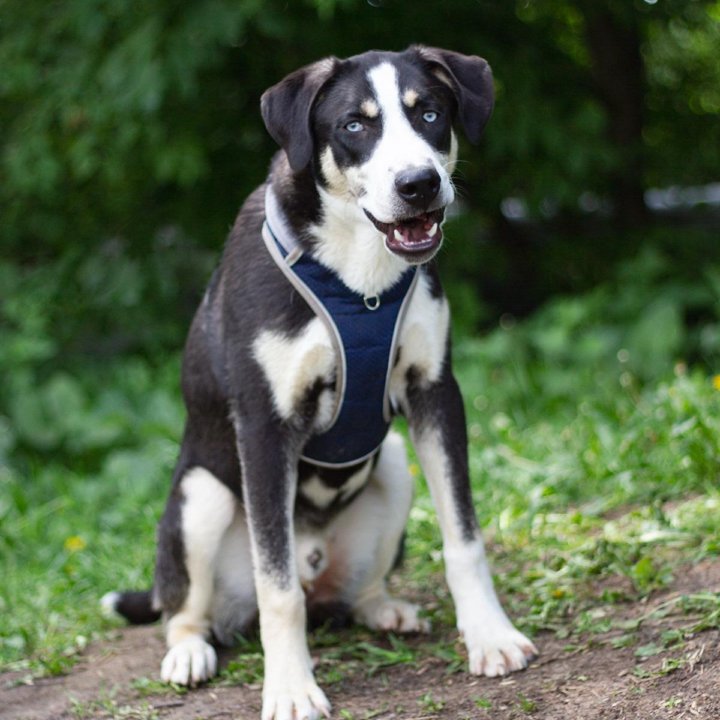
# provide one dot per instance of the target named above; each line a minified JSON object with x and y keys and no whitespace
{"x":372,"y":302}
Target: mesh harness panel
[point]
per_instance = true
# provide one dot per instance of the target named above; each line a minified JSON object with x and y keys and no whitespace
{"x":364,"y":333}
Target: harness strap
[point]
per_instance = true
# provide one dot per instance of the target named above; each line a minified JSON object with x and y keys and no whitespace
{"x":364,"y":333}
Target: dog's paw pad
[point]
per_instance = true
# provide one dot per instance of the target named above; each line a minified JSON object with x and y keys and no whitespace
{"x":190,"y":662}
{"x":392,"y":615}
{"x":500,"y":652}
{"x":305,"y":702}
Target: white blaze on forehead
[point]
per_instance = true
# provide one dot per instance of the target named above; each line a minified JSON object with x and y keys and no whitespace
{"x":400,"y":147}
{"x":384,"y":81}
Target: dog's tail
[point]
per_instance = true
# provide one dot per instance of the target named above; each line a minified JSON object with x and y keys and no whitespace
{"x":135,"y":606}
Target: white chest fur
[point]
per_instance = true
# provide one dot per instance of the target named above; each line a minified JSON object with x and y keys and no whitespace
{"x":292,"y":364}
{"x":423,"y":340}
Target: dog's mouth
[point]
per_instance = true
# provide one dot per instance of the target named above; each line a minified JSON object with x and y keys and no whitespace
{"x":416,"y":239}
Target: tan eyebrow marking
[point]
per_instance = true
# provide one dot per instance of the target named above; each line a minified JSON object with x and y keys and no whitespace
{"x":369,"y":108}
{"x":410,"y":97}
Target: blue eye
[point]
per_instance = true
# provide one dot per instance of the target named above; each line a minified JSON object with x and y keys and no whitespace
{"x":430,"y":116}
{"x":355,"y":126}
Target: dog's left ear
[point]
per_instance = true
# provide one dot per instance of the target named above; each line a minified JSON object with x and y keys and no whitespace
{"x":286,"y":109}
{"x":471,"y":80}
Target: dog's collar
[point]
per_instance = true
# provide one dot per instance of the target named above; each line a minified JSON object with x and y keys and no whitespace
{"x":364,"y":332}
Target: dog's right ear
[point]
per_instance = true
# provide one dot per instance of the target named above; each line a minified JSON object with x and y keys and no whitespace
{"x":471,"y":80}
{"x":286,"y":109}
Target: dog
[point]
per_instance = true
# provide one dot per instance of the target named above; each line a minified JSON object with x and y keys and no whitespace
{"x":324,"y":319}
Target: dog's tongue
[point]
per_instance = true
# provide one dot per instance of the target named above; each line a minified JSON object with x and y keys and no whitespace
{"x":415,"y":234}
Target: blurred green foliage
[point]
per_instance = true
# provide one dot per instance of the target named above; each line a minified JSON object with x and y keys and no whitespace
{"x":131,"y":133}
{"x":119,"y":119}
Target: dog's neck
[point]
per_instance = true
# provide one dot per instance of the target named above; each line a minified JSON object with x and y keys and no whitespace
{"x":335,"y":231}
{"x":347,"y":242}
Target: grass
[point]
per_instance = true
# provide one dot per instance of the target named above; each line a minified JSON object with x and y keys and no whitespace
{"x":70,"y":532}
{"x":109,"y":708}
{"x":595,"y":486}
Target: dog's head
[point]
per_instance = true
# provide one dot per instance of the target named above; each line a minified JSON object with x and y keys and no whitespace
{"x":377,"y":131}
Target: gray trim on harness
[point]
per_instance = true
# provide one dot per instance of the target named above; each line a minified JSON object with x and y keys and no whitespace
{"x":286,"y":238}
{"x":281,"y":233}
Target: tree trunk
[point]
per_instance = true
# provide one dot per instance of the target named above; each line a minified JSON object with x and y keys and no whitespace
{"x":619,"y":74}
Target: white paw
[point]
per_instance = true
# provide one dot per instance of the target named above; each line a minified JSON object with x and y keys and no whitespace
{"x":190,"y":662}
{"x":302,"y":700}
{"x":497,"y":651}
{"x":389,"y":614}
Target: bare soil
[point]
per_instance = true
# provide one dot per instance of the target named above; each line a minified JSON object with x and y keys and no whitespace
{"x":591,"y":680}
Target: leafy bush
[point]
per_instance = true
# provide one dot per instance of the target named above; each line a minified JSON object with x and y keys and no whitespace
{"x":649,"y":316}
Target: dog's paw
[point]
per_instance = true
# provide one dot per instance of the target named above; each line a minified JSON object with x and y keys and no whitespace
{"x":294,"y":700}
{"x":497,"y":651}
{"x":190,"y":662}
{"x":391,"y":615}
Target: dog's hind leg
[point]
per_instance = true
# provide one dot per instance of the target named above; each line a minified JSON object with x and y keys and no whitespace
{"x":234,"y":605}
{"x":367,"y":538}
{"x":199,"y":514}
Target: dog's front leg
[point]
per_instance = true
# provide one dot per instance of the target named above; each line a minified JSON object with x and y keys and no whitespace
{"x":437,"y":425}
{"x":269,"y":482}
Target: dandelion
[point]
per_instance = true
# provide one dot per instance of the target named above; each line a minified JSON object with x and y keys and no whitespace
{"x":414,"y":469}
{"x":74,"y":543}
{"x":716,"y":382}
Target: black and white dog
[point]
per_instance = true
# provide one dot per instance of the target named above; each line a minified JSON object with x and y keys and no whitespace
{"x":325,"y":318}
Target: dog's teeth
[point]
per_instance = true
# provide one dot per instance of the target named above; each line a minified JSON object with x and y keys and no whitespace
{"x":398,"y":235}
{"x":433,"y":230}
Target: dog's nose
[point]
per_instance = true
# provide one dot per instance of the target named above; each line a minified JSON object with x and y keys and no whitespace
{"x":419,"y":187}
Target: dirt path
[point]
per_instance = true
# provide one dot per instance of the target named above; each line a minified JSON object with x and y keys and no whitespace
{"x":593,"y":680}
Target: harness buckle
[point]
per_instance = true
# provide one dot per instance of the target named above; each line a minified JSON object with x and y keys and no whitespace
{"x":372,"y":302}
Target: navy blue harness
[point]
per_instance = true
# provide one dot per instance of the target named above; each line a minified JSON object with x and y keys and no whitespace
{"x":364,"y":331}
